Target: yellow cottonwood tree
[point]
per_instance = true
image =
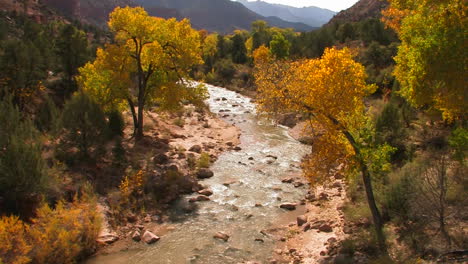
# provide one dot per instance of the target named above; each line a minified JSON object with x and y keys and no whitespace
{"x":432,"y":59}
{"x":148,"y":63}
{"x":329,"y":91}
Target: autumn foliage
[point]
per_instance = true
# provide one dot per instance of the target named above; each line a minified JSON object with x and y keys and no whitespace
{"x":149,"y":63}
{"x":331,"y":86}
{"x":329,"y":92}
{"x":432,"y":60}
{"x":59,"y":235}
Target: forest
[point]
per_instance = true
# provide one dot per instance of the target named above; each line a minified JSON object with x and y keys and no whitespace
{"x":88,"y":115}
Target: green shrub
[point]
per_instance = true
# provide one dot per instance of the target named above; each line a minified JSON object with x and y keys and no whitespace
{"x":179,"y":122}
{"x":47,"y":119}
{"x":23,"y":176}
{"x":118,"y":153}
{"x":389,"y":128}
{"x":204,"y":161}
{"x":116,"y":124}
{"x":84,"y":128}
{"x":458,"y":141}
{"x":225,"y":70}
{"x":398,"y":198}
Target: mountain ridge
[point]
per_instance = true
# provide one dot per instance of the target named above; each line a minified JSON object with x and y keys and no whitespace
{"x":222,"y":16}
{"x":312,"y":16}
{"x":363,"y":9}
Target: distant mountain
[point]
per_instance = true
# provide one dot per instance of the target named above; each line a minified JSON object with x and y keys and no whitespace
{"x":361,"y":10}
{"x":312,"y":16}
{"x":89,"y":11}
{"x":222,"y":16}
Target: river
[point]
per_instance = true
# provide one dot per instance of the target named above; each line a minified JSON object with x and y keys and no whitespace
{"x":247,"y":192}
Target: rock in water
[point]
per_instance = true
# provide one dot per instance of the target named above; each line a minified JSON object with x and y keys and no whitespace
{"x":199,"y":198}
{"x":288,"y":206}
{"x":302,"y":219}
{"x":149,"y":238}
{"x":204,"y":173}
{"x":206,"y":192}
{"x":221,"y":235}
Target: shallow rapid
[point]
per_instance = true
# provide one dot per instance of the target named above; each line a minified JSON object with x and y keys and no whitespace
{"x":247,"y":192}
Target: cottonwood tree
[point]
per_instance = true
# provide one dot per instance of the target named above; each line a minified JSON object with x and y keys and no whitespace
{"x":329,"y":91}
{"x":432,"y":60}
{"x":148,"y":63}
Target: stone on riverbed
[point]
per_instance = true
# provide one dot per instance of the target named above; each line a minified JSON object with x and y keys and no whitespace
{"x":199,"y":198}
{"x":221,"y":235}
{"x":150,"y":238}
{"x":288,"y":206}
{"x":136,"y":236}
{"x":302,"y":219}
{"x":107,"y":238}
{"x":204,"y":173}
{"x":206,"y":192}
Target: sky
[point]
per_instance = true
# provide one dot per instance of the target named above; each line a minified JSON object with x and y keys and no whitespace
{"x":334,"y":5}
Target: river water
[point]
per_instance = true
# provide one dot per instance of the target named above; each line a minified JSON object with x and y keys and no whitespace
{"x":247,"y":192}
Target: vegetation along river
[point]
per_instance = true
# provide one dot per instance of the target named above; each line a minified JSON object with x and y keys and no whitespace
{"x":247,"y":193}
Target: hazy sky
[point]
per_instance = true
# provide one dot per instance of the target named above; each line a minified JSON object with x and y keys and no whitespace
{"x":335,"y":5}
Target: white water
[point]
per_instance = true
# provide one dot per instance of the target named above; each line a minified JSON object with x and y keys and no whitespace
{"x":232,"y":208}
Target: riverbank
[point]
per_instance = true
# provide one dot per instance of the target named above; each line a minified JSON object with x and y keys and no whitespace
{"x":315,"y":235}
{"x":171,"y":141}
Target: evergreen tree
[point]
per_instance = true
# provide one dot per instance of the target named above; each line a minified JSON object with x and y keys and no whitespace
{"x":23,"y":175}
{"x":84,"y":127}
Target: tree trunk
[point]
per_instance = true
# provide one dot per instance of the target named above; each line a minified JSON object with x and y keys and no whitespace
{"x":376,"y":216}
{"x":139,"y":129}
{"x":134,"y":115}
{"x":366,"y":178}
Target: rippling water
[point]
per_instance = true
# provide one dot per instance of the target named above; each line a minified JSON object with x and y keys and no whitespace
{"x":254,"y":177}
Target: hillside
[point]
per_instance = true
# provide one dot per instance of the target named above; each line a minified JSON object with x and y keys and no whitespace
{"x":312,"y":16}
{"x":362,"y":10}
{"x":88,"y":11}
{"x":222,"y":16}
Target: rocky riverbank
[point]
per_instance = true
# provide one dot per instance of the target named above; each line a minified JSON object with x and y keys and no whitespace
{"x":174,"y":142}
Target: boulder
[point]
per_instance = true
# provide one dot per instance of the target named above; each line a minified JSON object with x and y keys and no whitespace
{"x":325,"y":228}
{"x":302,"y":219}
{"x":310,"y":197}
{"x":149,"y":238}
{"x":204,"y":173}
{"x":199,"y":198}
{"x":237,"y":148}
{"x":288,"y":206}
{"x":173,"y":168}
{"x":287,"y":180}
{"x":160,"y":159}
{"x":323,"y":197}
{"x":221,"y":235}
{"x":132,"y":218}
{"x":107,"y":239}
{"x":288,"y":120}
{"x":196,"y":148}
{"x":298,"y":184}
{"x":136,"y":236}
{"x":336,"y":184}
{"x":306,"y":140}
{"x":206,"y":192}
